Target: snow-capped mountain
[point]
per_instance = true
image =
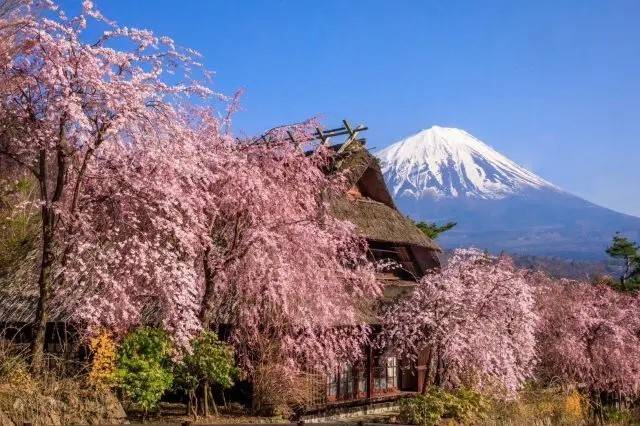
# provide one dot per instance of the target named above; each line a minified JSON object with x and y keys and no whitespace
{"x":446,"y":174}
{"x":448,"y":162}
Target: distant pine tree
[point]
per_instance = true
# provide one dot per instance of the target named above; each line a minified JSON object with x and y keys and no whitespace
{"x":432,"y":230}
{"x":629,"y":252}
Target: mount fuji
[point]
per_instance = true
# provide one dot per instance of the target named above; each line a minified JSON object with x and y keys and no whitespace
{"x":445,"y":174}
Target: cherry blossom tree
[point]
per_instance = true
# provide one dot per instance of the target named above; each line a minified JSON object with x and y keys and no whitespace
{"x":215,"y":232}
{"x":152,"y":212}
{"x":589,"y":337}
{"x":67,"y":102}
{"x":293,"y":281}
{"x":474,"y":320}
{"x":135,"y":255}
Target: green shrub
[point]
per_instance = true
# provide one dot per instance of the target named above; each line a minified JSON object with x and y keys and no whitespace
{"x":469,"y":405}
{"x":462,"y":405}
{"x":422,"y":410}
{"x":211,"y":363}
{"x":144,"y":366}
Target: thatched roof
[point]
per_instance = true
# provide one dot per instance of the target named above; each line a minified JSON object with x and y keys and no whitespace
{"x":377,"y":221}
{"x":374,"y":214}
{"x":19,"y":292}
{"x":361,"y":168}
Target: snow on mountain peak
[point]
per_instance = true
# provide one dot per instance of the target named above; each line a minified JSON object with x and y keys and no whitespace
{"x":449,"y":162}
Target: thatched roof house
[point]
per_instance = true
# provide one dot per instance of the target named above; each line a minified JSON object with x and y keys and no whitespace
{"x":369,"y":206}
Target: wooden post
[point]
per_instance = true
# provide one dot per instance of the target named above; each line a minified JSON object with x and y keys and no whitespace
{"x":292,"y":139}
{"x":355,"y":373}
{"x":346,"y":126}
{"x":369,"y":371}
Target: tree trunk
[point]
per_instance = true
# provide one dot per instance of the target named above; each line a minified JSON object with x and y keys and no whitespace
{"x":193,"y":404}
{"x":427,"y":374}
{"x":439,"y":367}
{"x":209,"y":292}
{"x":40,"y":324}
{"x":205,"y":395}
{"x":224,"y":400}
{"x":44,"y":278}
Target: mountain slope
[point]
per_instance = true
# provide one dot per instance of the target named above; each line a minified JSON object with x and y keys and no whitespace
{"x":443,"y":174}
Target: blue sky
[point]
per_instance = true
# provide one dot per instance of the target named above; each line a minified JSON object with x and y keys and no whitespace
{"x":554,"y":85}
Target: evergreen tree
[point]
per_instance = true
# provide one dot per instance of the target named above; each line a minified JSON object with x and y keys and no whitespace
{"x":433,"y":230}
{"x":629,"y":252}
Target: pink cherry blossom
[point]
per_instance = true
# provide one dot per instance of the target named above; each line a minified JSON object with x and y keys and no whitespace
{"x":474,"y":321}
{"x":152,"y":212}
{"x":589,"y":337}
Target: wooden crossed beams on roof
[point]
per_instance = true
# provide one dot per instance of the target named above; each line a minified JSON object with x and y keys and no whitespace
{"x":322,"y":135}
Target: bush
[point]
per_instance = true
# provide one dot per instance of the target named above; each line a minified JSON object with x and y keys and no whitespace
{"x":546,"y":405}
{"x":14,"y":369}
{"x":49,"y":399}
{"x":277,"y":391}
{"x":615,"y":415}
{"x":144,"y":366}
{"x":210,"y":363}
{"x":422,"y":409}
{"x":103,"y":365}
{"x":462,"y":405}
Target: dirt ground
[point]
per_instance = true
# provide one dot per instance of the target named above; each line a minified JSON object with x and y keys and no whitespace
{"x":175,"y":414}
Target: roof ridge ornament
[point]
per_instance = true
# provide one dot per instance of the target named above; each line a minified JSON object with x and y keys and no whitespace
{"x":322,"y":135}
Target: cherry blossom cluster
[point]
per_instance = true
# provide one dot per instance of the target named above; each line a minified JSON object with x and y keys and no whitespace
{"x":152,"y":212}
{"x":472,"y":323}
{"x":589,"y":336}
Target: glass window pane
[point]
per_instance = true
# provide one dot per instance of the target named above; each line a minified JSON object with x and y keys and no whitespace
{"x":332,"y":385}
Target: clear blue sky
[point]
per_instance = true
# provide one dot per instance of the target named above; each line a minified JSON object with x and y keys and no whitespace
{"x":554,"y":85}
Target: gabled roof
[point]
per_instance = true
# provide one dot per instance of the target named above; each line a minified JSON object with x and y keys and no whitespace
{"x":374,"y":214}
{"x":377,"y":221}
{"x":363,"y":170}
{"x":19,"y":293}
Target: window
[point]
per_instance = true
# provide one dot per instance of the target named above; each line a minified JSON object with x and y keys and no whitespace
{"x":386,"y":373}
{"x":346,"y":381}
{"x":341,"y":385}
{"x":350,"y":382}
{"x":362,"y":381}
{"x":332,"y":386}
{"x":392,"y":371}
